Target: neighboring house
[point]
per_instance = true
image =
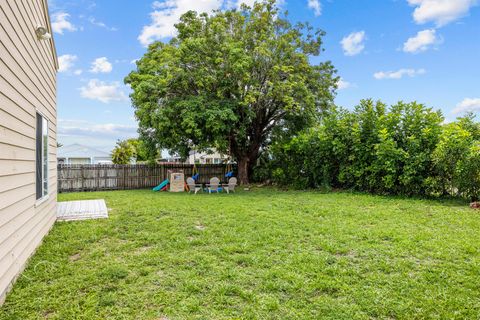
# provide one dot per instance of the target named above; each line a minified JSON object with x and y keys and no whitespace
{"x":79,"y":154}
{"x":195,"y":157}
{"x":206,"y":158}
{"x":171,"y":159}
{"x":166,"y":157}
{"x":28,"y":126}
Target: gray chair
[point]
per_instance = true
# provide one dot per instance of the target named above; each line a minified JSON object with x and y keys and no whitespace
{"x":230,"y":186}
{"x":192,"y":186}
{"x":213,"y":185}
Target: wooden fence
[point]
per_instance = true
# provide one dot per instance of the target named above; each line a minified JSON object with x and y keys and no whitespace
{"x":72,"y":178}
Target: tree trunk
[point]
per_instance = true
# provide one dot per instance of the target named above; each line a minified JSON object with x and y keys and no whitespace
{"x":243,"y":171}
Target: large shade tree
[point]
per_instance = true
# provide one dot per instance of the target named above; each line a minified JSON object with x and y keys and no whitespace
{"x":234,"y":80}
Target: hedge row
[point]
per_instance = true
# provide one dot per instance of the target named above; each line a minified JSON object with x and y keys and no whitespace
{"x":405,"y":149}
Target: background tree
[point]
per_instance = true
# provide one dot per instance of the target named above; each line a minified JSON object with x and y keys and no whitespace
{"x":142,"y":152}
{"x":234,"y":81}
{"x":133,"y":149}
{"x":123,"y":153}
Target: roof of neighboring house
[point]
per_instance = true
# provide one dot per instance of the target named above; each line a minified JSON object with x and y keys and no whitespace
{"x":81,"y":151}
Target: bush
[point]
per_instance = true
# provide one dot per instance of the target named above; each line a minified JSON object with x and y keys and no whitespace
{"x":468,"y":173}
{"x":405,"y":149}
{"x":457,"y":160}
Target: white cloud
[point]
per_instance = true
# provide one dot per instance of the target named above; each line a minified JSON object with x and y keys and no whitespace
{"x":66,"y":62}
{"x":342,"y":84}
{"x":101,"y":65}
{"x":167,"y":12}
{"x":398,"y":74}
{"x":100,"y":24}
{"x":315,"y":6}
{"x":239,"y":3}
{"x":99,"y":135}
{"x":102,"y":91}
{"x":421,"y":42}
{"x":441,"y":12}
{"x":85,"y":128}
{"x":60,"y":23}
{"x":78,"y":72}
{"x":468,"y":104}
{"x":353,"y":44}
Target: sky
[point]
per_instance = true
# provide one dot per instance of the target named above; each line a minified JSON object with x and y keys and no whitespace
{"x":389,"y":50}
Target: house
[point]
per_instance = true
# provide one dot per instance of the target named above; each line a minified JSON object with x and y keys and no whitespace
{"x":195,"y":157}
{"x":80,"y":154}
{"x":168,"y":158}
{"x":212,"y":157}
{"x":28,"y":126}
{"x":171,"y":160}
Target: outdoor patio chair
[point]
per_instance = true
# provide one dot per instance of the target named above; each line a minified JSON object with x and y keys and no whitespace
{"x":192,"y":186}
{"x":230,"y":186}
{"x":213,"y":185}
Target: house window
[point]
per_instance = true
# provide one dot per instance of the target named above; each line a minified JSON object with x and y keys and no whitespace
{"x":41,"y":157}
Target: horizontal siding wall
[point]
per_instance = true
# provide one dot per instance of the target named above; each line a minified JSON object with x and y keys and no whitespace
{"x":27,"y":86}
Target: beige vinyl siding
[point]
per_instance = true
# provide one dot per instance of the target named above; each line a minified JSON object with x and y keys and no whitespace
{"x":27,"y":86}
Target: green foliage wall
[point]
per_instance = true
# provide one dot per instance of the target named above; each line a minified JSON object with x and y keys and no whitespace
{"x":405,"y":149}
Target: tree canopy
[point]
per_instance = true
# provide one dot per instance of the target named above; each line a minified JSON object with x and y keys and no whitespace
{"x":234,"y":80}
{"x":131,"y":149}
{"x":123,"y":153}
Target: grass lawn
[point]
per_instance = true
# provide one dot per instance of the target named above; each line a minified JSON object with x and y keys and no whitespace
{"x":263,"y":254}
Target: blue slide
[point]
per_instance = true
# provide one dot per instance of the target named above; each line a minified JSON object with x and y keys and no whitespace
{"x":161,"y":186}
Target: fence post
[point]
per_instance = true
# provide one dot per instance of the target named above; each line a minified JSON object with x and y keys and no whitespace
{"x":124,"y":178}
{"x":83,"y":178}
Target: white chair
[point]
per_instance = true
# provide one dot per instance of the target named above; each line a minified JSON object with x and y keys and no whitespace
{"x":213,"y":185}
{"x":192,"y":186}
{"x":230,"y":186}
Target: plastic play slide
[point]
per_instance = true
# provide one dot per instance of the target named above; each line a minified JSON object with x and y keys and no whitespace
{"x":162,"y":186}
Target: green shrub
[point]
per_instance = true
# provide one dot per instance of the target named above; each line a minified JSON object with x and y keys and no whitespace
{"x":453,"y":146}
{"x":405,"y":149}
{"x":468,"y":173}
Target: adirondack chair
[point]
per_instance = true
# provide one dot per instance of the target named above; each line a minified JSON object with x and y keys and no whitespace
{"x":192,"y":186}
{"x":213,"y":185}
{"x":230,"y":186}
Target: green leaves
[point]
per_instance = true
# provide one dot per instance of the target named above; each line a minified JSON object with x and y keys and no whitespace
{"x":373,"y":148}
{"x":405,"y":149}
{"x":457,"y":160}
{"x":132,"y":149}
{"x":123,"y":152}
{"x":234,"y":80}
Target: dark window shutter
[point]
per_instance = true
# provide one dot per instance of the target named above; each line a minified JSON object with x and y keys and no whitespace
{"x":38,"y":157}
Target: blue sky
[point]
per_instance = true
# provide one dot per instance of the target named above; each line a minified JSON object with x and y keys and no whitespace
{"x":423,"y":50}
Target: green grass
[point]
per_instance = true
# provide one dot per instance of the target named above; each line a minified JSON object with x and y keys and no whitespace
{"x":263,"y":254}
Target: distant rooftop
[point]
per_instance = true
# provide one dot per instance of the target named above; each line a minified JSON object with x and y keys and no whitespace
{"x":80,"y":151}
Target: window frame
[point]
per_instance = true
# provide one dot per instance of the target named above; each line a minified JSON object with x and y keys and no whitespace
{"x":41,"y":159}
